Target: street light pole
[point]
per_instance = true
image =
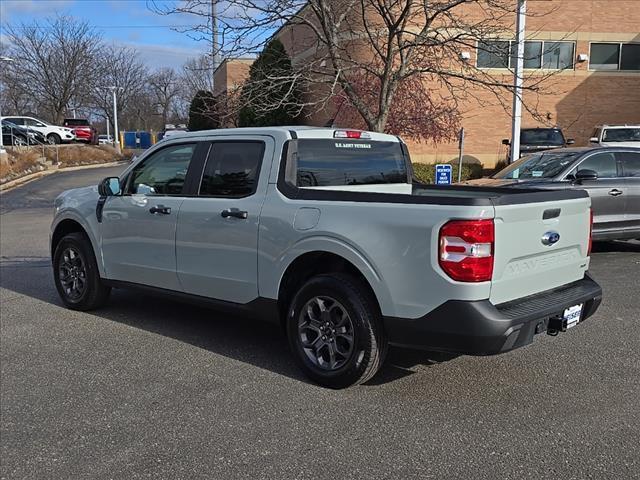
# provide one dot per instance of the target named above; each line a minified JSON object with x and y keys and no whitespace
{"x":518,"y":81}
{"x":116,"y":139}
{"x":2,"y":150}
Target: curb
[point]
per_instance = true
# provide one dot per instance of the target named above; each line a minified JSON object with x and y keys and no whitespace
{"x":10,"y":185}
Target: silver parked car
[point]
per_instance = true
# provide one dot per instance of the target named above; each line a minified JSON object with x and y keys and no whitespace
{"x":611,"y":176}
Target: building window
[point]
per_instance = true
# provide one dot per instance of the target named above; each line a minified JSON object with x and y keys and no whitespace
{"x":558,"y":55}
{"x":493,"y":54}
{"x":615,"y":56}
{"x":630,"y":58}
{"x":537,"y":54}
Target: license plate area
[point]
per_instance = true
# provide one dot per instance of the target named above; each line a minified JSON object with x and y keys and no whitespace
{"x":572,"y":315}
{"x":570,"y":318}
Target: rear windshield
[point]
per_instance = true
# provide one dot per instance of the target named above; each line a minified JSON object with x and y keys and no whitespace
{"x":335,"y":162}
{"x":621,"y":135}
{"x":542,"y":165}
{"x":541,"y":137}
{"x":75,"y":122}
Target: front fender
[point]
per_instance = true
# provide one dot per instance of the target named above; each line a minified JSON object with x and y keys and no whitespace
{"x":79,"y":206}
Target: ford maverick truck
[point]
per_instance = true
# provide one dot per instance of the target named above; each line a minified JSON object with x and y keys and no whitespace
{"x":326,"y":233}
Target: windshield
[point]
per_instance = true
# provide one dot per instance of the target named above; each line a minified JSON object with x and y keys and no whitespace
{"x":541,"y":137}
{"x":334,"y":162}
{"x":621,"y":135}
{"x":542,"y":165}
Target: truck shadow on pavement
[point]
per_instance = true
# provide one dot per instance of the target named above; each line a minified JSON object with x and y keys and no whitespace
{"x":237,"y":337}
{"x":614,"y":246}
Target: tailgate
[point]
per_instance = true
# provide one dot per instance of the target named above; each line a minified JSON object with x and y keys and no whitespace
{"x":539,"y":246}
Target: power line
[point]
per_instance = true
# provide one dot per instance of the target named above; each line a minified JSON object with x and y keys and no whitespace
{"x":48,"y":27}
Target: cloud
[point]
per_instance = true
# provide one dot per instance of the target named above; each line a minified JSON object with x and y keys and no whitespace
{"x":34,"y":8}
{"x":156,"y":55}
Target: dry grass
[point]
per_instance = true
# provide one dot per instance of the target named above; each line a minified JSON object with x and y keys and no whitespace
{"x":26,"y":160}
{"x":21,"y":161}
{"x":75,"y":155}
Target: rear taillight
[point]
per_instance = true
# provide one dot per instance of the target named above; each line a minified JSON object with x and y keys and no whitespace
{"x":590,"y":232}
{"x":466,"y":250}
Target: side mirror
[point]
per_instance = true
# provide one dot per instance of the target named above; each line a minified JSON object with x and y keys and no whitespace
{"x":570,"y":141}
{"x":594,"y":140}
{"x":586,"y":174}
{"x":506,"y":141}
{"x":109,"y":187}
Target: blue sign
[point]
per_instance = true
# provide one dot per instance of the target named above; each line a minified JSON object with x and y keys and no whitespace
{"x":443,"y":174}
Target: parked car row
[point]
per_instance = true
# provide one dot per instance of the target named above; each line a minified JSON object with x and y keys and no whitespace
{"x":53,"y":134}
{"x":611,"y":176}
{"x":533,"y":140}
{"x":18,"y":135}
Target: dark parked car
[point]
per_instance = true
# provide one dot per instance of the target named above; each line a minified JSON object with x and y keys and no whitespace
{"x":533,"y":140}
{"x":84,"y":131}
{"x":611,"y":176}
{"x":18,"y":135}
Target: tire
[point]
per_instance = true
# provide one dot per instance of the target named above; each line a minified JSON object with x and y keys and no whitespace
{"x":20,"y":141}
{"x":54,"y":139}
{"x":75,"y":251}
{"x":313,"y":334}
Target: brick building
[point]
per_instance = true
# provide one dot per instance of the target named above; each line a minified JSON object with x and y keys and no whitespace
{"x":590,"y":50}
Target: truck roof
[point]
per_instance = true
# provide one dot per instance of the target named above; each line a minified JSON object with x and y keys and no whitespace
{"x":296,"y":131}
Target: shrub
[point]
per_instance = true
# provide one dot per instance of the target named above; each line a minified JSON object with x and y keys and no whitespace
{"x":202,"y":112}
{"x":425,"y":172}
{"x":266,"y":100}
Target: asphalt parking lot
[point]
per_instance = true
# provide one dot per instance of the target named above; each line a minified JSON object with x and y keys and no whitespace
{"x":150,"y":388}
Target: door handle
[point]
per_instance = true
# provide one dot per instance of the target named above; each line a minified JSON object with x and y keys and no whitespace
{"x":234,"y":212}
{"x":615,"y":192}
{"x":160,"y":209}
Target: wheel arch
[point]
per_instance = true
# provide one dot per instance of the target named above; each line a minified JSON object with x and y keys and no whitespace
{"x":69,"y":225}
{"x":317,"y":262}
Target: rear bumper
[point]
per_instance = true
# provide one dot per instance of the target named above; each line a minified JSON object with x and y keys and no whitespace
{"x":481,"y":328}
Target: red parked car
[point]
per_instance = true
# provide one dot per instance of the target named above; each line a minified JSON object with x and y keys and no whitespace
{"x":83,"y":130}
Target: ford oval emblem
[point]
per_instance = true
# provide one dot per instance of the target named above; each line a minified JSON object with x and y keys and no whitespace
{"x":550,"y":238}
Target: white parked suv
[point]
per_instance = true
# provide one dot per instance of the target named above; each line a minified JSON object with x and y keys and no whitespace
{"x":616,"y":136}
{"x":52,"y":133}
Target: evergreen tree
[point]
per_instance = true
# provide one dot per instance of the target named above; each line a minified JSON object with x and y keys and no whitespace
{"x":269,"y":97}
{"x":202,"y":112}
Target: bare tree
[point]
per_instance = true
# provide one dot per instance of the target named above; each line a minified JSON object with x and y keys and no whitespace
{"x":122,"y":68}
{"x":197,"y":76}
{"x":57,"y":62}
{"x":164,"y":86}
{"x":394,"y":44}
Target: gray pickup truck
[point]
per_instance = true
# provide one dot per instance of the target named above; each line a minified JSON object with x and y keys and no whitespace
{"x":326,"y":233}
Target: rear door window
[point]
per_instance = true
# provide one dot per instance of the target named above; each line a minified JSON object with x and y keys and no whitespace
{"x":31,"y":122}
{"x":232,"y":169}
{"x":630,"y":163}
{"x":604,"y":164}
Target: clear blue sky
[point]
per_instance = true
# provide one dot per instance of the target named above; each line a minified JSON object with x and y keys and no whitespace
{"x":127,"y":22}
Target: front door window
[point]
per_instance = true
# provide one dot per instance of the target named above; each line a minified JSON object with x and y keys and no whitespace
{"x":163,"y":173}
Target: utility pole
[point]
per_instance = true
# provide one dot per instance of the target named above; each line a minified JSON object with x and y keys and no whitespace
{"x":116,"y":139}
{"x":516,"y":122}
{"x":215,"y":47}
